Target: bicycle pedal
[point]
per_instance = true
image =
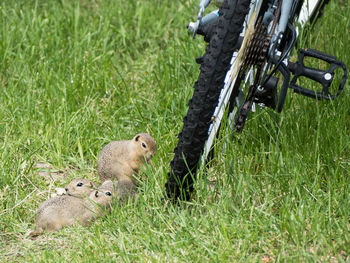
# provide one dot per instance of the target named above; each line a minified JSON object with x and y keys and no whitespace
{"x":323,"y":77}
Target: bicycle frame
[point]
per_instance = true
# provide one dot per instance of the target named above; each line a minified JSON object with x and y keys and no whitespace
{"x":307,"y":9}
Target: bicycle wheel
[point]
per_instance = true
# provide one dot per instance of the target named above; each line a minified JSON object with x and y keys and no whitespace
{"x":220,"y":85}
{"x":216,"y":63}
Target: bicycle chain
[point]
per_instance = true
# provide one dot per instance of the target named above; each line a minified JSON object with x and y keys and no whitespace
{"x":255,"y":55}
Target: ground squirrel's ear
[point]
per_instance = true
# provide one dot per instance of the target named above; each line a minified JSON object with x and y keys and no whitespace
{"x":137,"y":138}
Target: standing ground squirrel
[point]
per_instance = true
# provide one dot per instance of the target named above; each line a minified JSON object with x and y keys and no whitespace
{"x":61,"y":211}
{"x":120,"y":160}
{"x":80,"y":187}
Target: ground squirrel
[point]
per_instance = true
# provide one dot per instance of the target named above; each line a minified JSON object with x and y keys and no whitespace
{"x":80,"y":187}
{"x":124,"y":189}
{"x":121,"y":160}
{"x":61,"y":211}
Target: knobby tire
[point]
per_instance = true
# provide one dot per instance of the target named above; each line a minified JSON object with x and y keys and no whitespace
{"x":216,"y":63}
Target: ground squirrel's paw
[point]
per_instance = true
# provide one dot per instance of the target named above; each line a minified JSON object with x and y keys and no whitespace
{"x":60,"y":191}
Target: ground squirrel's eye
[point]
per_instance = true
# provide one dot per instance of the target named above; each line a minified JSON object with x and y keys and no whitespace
{"x":143,"y":145}
{"x":108,"y":193}
{"x":80,"y":184}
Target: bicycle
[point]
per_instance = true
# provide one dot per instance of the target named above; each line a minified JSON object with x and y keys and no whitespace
{"x":248,"y":50}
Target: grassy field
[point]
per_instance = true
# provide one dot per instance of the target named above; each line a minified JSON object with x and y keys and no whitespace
{"x":75,"y":75}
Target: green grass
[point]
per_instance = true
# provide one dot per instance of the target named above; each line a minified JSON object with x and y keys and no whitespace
{"x":75,"y":75}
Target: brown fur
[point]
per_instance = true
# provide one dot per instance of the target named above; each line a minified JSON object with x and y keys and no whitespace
{"x":80,"y":187}
{"x":121,"y":160}
{"x":124,"y":189}
{"x":61,"y":211}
